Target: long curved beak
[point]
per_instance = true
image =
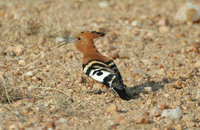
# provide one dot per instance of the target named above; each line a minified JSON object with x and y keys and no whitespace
{"x":66,"y":41}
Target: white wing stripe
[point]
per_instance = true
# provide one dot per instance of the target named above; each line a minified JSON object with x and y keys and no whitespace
{"x":97,"y":77}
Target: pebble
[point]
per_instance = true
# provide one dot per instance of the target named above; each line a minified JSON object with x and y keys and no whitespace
{"x":13,"y":127}
{"x":59,"y":39}
{"x":119,"y":119}
{"x":154,"y":128}
{"x":41,"y":40}
{"x":145,"y":114}
{"x":178,"y":83}
{"x":163,"y":106}
{"x":62,"y":120}
{"x":164,"y":29}
{"x":97,"y":86}
{"x":155,"y":112}
{"x":146,"y":61}
{"x":198,"y":95}
{"x":103,"y":4}
{"x":190,"y":48}
{"x":162,"y":22}
{"x":150,"y":35}
{"x":197,"y":64}
{"x":142,"y":120}
{"x":148,"y":88}
{"x":18,"y":50}
{"x":188,"y":118}
{"x":80,"y":79}
{"x":14,"y":50}
{"x":161,"y":71}
{"x":50,"y":125}
{"x":188,"y":12}
{"x":17,"y":103}
{"x":178,"y":127}
{"x":21,"y":62}
{"x":172,"y":114}
{"x":134,"y":23}
{"x":113,"y":108}
{"x":29,"y":73}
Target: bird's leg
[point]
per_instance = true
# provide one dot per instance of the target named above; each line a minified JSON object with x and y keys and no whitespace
{"x":91,"y":83}
{"x":105,"y":90}
{"x":98,"y":90}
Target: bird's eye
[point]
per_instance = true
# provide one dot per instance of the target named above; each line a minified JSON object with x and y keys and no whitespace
{"x":79,"y":38}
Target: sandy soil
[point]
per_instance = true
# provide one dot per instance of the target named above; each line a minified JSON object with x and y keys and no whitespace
{"x":41,"y":85}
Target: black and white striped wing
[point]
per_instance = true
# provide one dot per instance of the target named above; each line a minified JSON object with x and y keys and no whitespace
{"x":112,"y":65}
{"x":102,"y":72}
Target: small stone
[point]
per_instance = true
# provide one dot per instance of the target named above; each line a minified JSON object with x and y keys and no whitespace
{"x":146,"y":61}
{"x":13,"y":127}
{"x":148,"y":102}
{"x":50,"y":125}
{"x":188,"y":118}
{"x":41,"y":40}
{"x":112,"y":108}
{"x":198,"y":95}
{"x":62,"y":120}
{"x":162,"y":22}
{"x":18,"y":50}
{"x":146,"y":114}
{"x":165,"y":113}
{"x":134,"y":23}
{"x":17,"y":103}
{"x":59,"y":39}
{"x":172,"y":114}
{"x":17,"y":113}
{"x":10,"y":48}
{"x":170,"y":74}
{"x":190,"y":48}
{"x":103,"y":4}
{"x":161,"y":71}
{"x":142,"y":120}
{"x":178,"y":127}
{"x":21,"y":62}
{"x":163,"y":106}
{"x":154,"y":128}
{"x":97,"y":86}
{"x":170,"y":86}
{"x":155,"y":112}
{"x":181,"y":35}
{"x":188,"y":12}
{"x":197,"y":64}
{"x":178,"y":83}
{"x":80,"y":79}
{"x":29,"y":73}
{"x":119,"y":119}
{"x":150,"y":35}
{"x":164,"y":29}
{"x":148,"y":88}
{"x":179,"y":103}
{"x":31,"y":120}
{"x":70,"y":90}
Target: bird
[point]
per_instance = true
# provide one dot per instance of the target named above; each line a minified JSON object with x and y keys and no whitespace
{"x":96,"y":65}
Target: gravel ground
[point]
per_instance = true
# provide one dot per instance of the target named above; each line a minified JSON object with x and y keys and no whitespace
{"x":41,"y":85}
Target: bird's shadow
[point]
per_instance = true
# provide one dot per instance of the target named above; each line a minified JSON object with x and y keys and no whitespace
{"x":148,"y":86}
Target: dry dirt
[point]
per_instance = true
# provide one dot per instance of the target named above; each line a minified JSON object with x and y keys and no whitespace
{"x":41,"y":85}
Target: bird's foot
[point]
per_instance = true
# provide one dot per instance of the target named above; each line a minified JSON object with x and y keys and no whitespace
{"x":97,"y":91}
{"x":87,"y":91}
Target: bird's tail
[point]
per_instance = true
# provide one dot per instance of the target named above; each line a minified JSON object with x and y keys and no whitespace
{"x":123,"y":93}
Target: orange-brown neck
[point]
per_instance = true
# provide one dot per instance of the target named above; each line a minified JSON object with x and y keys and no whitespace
{"x":87,"y":48}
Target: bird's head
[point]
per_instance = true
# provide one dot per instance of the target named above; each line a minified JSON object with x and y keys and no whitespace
{"x":83,"y":40}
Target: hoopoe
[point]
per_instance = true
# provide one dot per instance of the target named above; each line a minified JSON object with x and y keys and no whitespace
{"x":97,"y":66}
